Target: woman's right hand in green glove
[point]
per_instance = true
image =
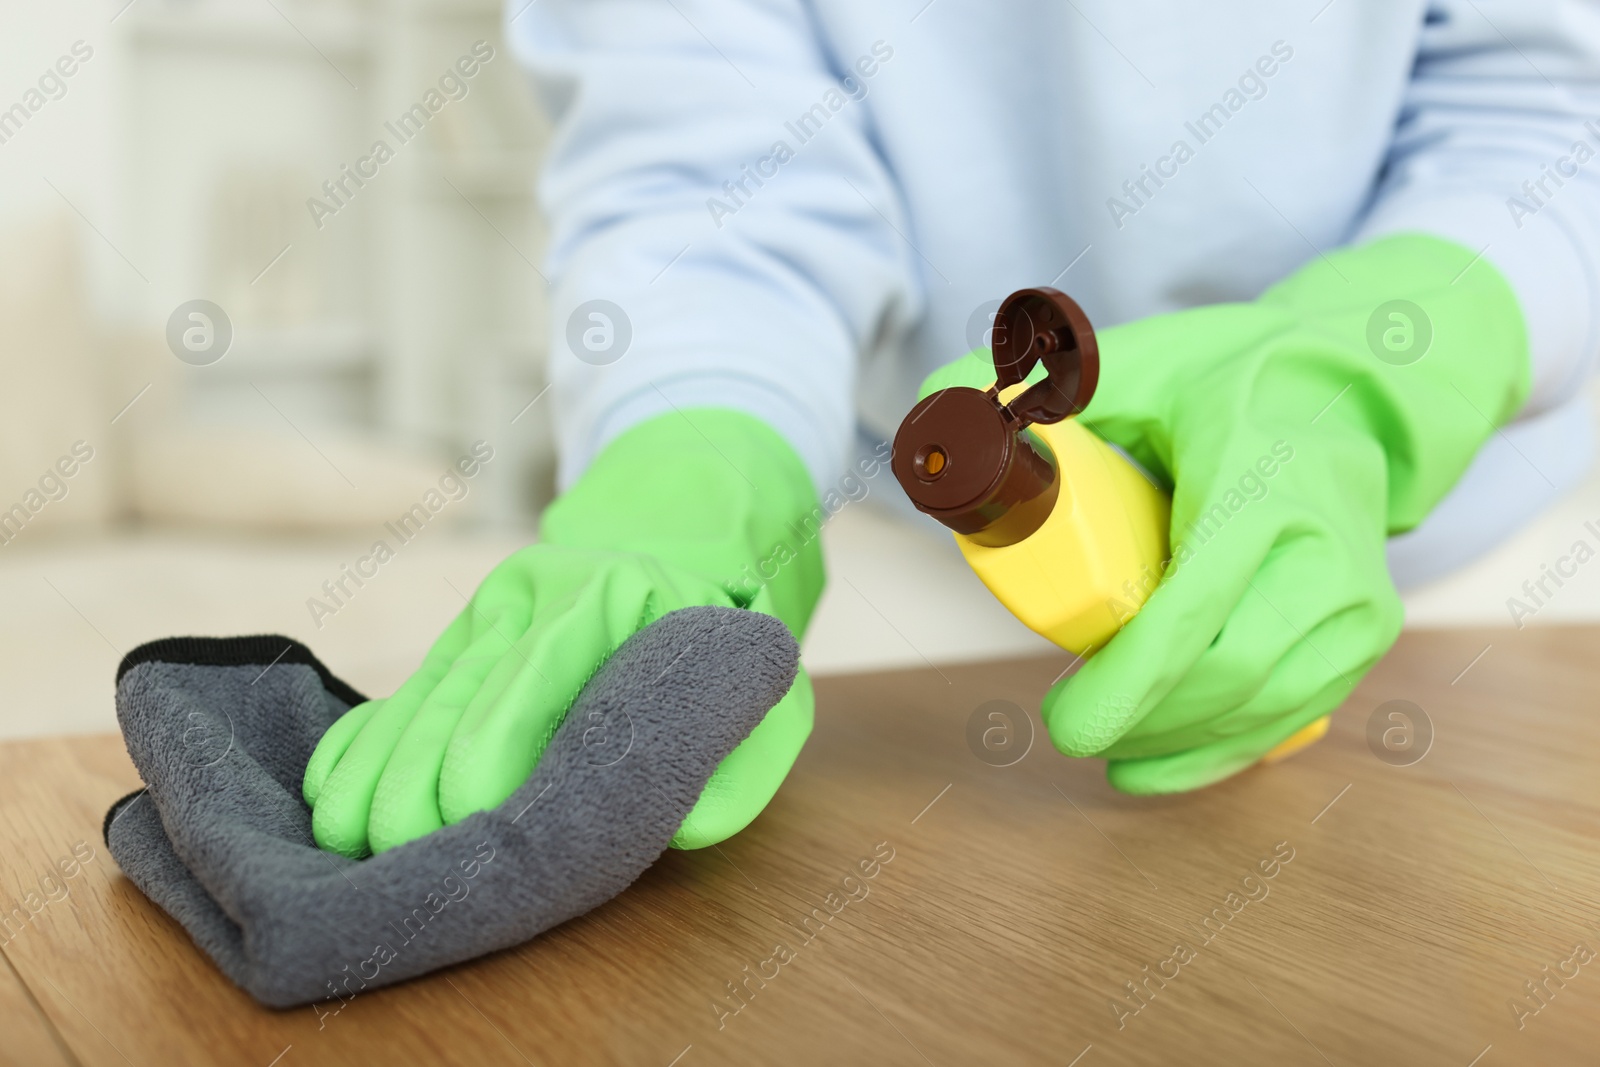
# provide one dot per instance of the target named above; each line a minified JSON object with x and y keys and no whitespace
{"x":663,"y":519}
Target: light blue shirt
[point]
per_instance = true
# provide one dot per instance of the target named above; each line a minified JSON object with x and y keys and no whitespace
{"x":801,"y":207}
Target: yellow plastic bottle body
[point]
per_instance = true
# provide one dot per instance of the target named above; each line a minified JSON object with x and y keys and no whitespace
{"x":1083,"y":574}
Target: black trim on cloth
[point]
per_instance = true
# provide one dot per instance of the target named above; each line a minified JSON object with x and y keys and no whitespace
{"x":263,"y":650}
{"x":116,"y":810}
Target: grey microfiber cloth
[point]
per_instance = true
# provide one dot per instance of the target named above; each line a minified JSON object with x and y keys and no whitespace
{"x":220,"y":730}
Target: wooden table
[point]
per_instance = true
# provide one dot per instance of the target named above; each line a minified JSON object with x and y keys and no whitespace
{"x":1407,"y":907}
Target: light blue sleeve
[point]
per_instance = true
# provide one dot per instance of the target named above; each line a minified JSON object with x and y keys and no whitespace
{"x":1497,"y":147}
{"x":748,"y":277}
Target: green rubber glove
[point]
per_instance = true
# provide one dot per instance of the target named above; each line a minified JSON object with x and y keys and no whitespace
{"x":706,"y":507}
{"x":1298,"y":432}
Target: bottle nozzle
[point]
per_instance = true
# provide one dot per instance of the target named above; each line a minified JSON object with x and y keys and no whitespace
{"x":964,"y":457}
{"x":930,"y":462}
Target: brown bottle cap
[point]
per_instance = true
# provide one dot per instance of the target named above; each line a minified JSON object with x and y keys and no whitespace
{"x":1045,"y":325}
{"x":963,"y":457}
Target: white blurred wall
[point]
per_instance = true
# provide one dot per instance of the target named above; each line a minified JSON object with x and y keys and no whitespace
{"x":176,"y":165}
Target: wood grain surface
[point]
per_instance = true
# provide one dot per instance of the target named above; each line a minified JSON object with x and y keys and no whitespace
{"x":904,"y":901}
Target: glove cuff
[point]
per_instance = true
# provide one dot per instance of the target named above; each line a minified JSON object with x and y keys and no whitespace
{"x":1440,"y":354}
{"x":713,"y":491}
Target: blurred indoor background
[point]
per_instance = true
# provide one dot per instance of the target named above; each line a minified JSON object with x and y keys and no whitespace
{"x":372,"y":344}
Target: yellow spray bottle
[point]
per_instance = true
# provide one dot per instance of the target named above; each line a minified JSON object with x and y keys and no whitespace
{"x":1062,"y":528}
